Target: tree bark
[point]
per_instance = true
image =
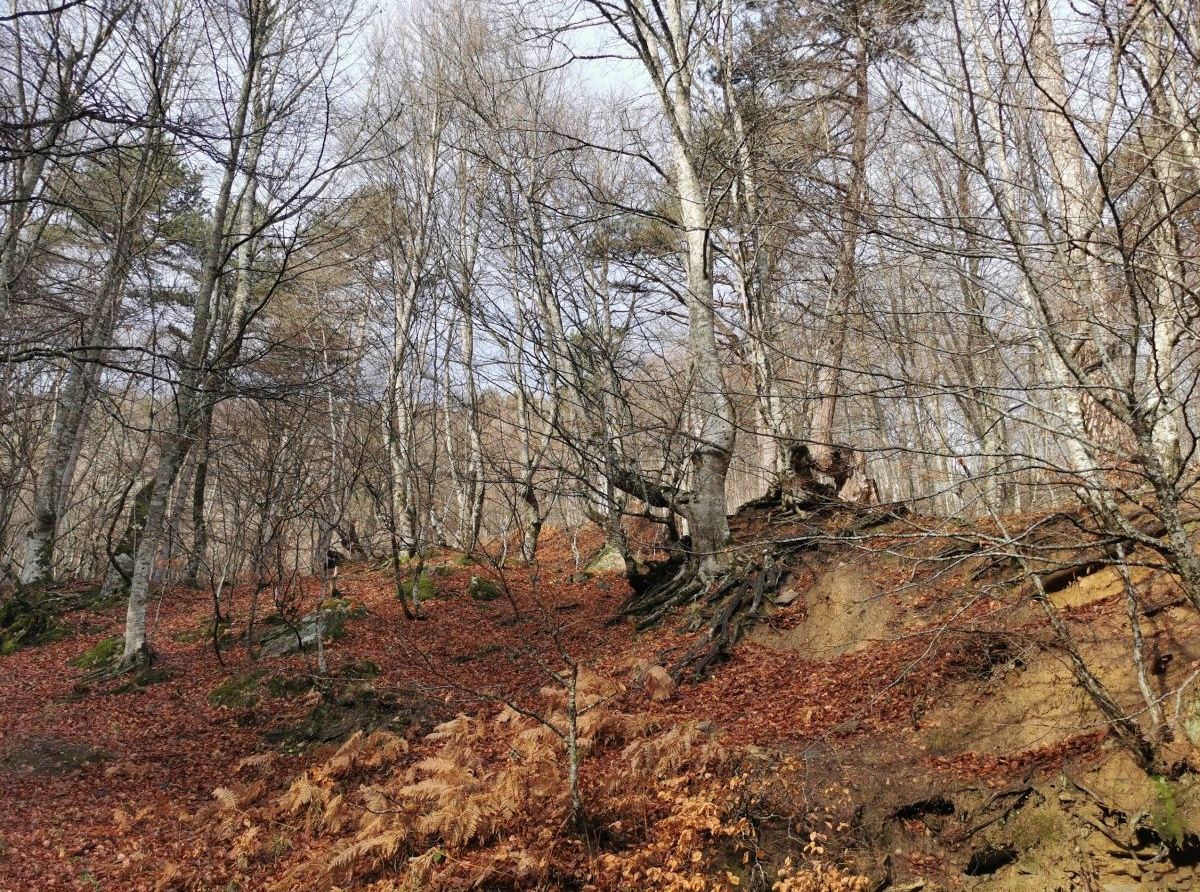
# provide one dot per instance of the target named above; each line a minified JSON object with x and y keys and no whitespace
{"x":825,"y":452}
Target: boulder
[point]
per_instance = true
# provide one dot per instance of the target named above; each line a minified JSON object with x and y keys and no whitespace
{"x":282,"y":639}
{"x":483,"y":589}
{"x":609,"y":561}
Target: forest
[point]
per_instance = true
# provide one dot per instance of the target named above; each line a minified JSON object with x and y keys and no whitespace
{"x":600,"y":445}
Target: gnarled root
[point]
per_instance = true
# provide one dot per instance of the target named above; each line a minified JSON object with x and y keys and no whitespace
{"x":736,"y":603}
{"x":732,"y":599}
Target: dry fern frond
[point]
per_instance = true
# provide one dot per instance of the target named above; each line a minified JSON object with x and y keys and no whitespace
{"x":246,"y":846}
{"x":462,"y":727}
{"x":441,"y":765}
{"x":361,"y":751}
{"x":431,"y":789}
{"x":170,"y":878}
{"x":385,"y":845}
{"x":258,"y":762}
{"x":383,"y":749}
{"x":226,"y":797}
{"x":508,"y":716}
{"x":540,"y":735}
{"x":345,"y":859}
{"x":370,"y":851}
{"x":609,"y":726}
{"x":332,"y":815}
{"x":303,"y":793}
{"x":649,"y":758}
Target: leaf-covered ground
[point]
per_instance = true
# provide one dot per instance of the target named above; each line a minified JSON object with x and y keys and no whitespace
{"x":108,"y":784}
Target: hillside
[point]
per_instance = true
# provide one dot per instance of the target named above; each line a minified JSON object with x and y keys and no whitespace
{"x":901,"y":717}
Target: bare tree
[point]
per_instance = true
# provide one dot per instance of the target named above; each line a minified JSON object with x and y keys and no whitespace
{"x":668,"y":40}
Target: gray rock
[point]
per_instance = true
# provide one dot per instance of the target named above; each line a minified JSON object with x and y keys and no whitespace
{"x":281,"y":640}
{"x":483,"y":589}
{"x":609,"y":561}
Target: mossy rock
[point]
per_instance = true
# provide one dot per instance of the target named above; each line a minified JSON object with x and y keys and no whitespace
{"x":238,"y":690}
{"x":609,"y":562}
{"x":483,"y":589}
{"x":282,"y":637}
{"x":426,"y":588}
{"x":361,"y":669}
{"x":101,"y":655}
{"x":281,"y":686}
{"x":361,"y":708}
{"x":204,"y":633}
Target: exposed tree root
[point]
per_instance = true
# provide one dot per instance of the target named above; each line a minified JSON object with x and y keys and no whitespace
{"x":733,"y":599}
{"x":138,"y":661}
{"x":25,"y":620}
{"x":738,"y":602}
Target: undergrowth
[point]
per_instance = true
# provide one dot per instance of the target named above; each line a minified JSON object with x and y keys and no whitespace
{"x":484,"y":804}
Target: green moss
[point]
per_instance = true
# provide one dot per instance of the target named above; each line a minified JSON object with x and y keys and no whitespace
{"x":1165,"y":818}
{"x":238,"y":690}
{"x":282,"y":686}
{"x":27,"y":620}
{"x":361,"y":669}
{"x":103,"y":653}
{"x":144,"y":679}
{"x":483,"y":589}
{"x":425,"y":587}
{"x":340,"y":609}
{"x":204,"y":633}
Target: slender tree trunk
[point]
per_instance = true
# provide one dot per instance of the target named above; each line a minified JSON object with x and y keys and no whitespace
{"x":750,"y":253}
{"x":137,"y":650}
{"x":77,"y":391}
{"x":196,"y":557}
{"x":191,"y":401}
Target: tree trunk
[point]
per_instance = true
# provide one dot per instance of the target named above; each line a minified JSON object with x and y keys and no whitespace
{"x":137,"y":651}
{"x":196,"y":557}
{"x":714,"y":429}
{"x":825,"y":453}
{"x":76,"y":393}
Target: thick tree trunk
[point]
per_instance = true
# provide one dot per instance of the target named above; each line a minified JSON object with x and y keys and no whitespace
{"x":825,"y":452}
{"x":714,"y":429}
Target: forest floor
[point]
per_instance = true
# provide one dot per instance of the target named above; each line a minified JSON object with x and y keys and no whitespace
{"x":901,"y":717}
